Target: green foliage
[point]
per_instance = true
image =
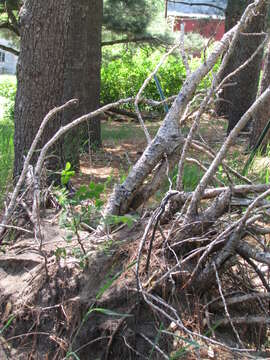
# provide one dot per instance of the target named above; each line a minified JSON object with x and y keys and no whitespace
{"x":129,"y":16}
{"x":8,"y":323}
{"x":6,"y":152}
{"x":7,"y":98}
{"x":191,"y":176}
{"x":66,"y":174}
{"x":83,"y":208}
{"x":124,"y":219}
{"x":124,"y":71}
{"x":8,"y":88}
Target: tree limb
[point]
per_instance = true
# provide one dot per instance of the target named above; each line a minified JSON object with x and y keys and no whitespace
{"x":147,"y":39}
{"x":13,"y":20}
{"x":9,"y":49}
{"x":10,"y":27}
{"x":196,"y":4}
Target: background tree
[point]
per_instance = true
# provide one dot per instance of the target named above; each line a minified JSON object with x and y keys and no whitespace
{"x":76,"y":73}
{"x":127,"y":16}
{"x":236,"y":99}
{"x":130,"y":18}
{"x":59,"y":59}
{"x":262,"y":115}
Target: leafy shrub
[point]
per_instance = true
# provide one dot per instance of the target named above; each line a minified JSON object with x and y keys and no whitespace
{"x":8,"y":88}
{"x":7,"y":92}
{"x":123,"y":74}
{"x":125,"y":69}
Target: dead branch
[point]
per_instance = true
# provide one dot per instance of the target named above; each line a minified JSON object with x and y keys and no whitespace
{"x":260,"y":102}
{"x":238,"y":299}
{"x":246,"y":320}
{"x":146,"y":82}
{"x":226,"y":308}
{"x":9,"y":49}
{"x":192,"y":132}
{"x":247,"y":251}
{"x":9,"y":210}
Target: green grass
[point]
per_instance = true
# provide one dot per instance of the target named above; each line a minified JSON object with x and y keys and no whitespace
{"x":126,"y":131}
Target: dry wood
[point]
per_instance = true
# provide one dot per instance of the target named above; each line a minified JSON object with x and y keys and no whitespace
{"x":237,"y":299}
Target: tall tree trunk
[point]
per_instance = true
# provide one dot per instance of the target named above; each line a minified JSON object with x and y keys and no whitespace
{"x":59,"y":59}
{"x":233,"y":14}
{"x":236,"y":99}
{"x":262,"y":116}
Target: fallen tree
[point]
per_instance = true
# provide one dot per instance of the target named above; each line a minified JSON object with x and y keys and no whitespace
{"x":197,"y":252}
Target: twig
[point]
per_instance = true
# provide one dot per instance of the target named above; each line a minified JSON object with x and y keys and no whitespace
{"x":147,"y":229}
{"x":191,"y":133}
{"x":155,"y":346}
{"x":146,"y":82}
{"x":156,"y":217}
{"x":71,"y":125}
{"x":197,"y":195}
{"x":247,"y":252}
{"x":111,"y":338}
{"x":204,"y":168}
{"x":225,"y":307}
{"x":12,"y":203}
{"x":9,"y":49}
{"x":241,"y":67}
{"x":202,"y":147}
{"x":17,"y":228}
{"x":179,"y":323}
{"x":182,"y":49}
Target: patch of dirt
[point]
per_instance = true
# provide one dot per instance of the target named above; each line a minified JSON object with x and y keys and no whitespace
{"x":114,"y":159}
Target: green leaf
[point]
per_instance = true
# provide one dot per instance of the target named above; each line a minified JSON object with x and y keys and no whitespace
{"x":60,"y":253}
{"x":68,"y":166}
{"x":12,"y":317}
{"x":66,"y":174}
{"x":110,"y":312}
{"x":71,"y":353}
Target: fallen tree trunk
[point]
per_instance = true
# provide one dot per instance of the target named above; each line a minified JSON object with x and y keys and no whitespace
{"x":169,"y":137}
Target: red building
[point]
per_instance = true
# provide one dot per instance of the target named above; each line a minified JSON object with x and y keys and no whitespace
{"x":209,"y":28}
{"x":209,"y":21}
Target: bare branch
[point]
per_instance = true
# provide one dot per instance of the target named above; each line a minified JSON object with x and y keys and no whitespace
{"x":144,"y":39}
{"x":9,"y":49}
{"x":197,"y":4}
{"x":9,"y":210}
{"x":223,"y":151}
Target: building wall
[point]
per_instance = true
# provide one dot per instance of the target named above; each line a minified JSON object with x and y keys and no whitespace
{"x":8,"y":66}
{"x":206,"y":27}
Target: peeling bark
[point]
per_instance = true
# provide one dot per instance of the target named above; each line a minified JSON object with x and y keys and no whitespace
{"x":168,"y":139}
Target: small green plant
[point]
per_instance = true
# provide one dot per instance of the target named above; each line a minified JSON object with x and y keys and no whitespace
{"x":191,"y":177}
{"x":8,"y":323}
{"x":83,"y":208}
{"x":67,"y":174}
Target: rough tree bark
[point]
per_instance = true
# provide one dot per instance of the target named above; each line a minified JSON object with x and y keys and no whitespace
{"x":233,"y":13}
{"x":263,"y":115}
{"x":59,"y":60}
{"x":236,"y":99}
